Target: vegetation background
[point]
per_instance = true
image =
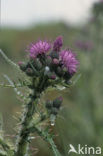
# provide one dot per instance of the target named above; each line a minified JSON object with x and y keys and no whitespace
{"x":81,"y":119}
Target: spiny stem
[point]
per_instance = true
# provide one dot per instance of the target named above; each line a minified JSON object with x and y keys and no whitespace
{"x":22,"y":141}
{"x":49,"y":139}
{"x":4,"y":145}
{"x":54,"y":147}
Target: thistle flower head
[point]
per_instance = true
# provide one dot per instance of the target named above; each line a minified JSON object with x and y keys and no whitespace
{"x":68,"y":60}
{"x":40,"y":47}
{"x":58,"y":43}
{"x":53,"y":64}
{"x":22,"y":65}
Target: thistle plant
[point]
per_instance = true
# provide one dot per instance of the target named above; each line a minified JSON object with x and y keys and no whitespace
{"x":48,"y":67}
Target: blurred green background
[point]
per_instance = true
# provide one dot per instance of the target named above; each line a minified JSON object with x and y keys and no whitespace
{"x":80,"y":120}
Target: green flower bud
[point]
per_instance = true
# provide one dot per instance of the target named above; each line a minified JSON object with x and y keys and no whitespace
{"x":57,"y":102}
{"x":65,"y":69}
{"x":51,"y":75}
{"x":55,"y":61}
{"x":29,"y":72}
{"x":37,"y":64}
{"x":22,"y":66}
{"x":48,"y":60}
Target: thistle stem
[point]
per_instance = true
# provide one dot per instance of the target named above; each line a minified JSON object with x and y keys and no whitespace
{"x":49,"y":139}
{"x":54,"y":147}
{"x":4,"y":145}
{"x":22,"y":141}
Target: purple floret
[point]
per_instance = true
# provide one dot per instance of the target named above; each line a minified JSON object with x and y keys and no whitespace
{"x":58,"y":43}
{"x":40,"y":47}
{"x":68,"y":59}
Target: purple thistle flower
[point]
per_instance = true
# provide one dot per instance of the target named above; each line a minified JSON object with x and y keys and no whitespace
{"x":68,"y":59}
{"x":58,"y":43}
{"x":40,"y":47}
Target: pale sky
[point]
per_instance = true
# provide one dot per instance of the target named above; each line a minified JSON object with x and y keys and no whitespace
{"x":26,"y":12}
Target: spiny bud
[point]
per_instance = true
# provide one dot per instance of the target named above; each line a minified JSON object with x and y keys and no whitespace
{"x":51,"y":75}
{"x":22,"y":66}
{"x":29,"y":72}
{"x":38,"y":64}
{"x":55,"y":61}
{"x":58,"y":43}
{"x":48,"y":60}
{"x":65,"y":69}
{"x":57,"y":102}
{"x":49,"y":104}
